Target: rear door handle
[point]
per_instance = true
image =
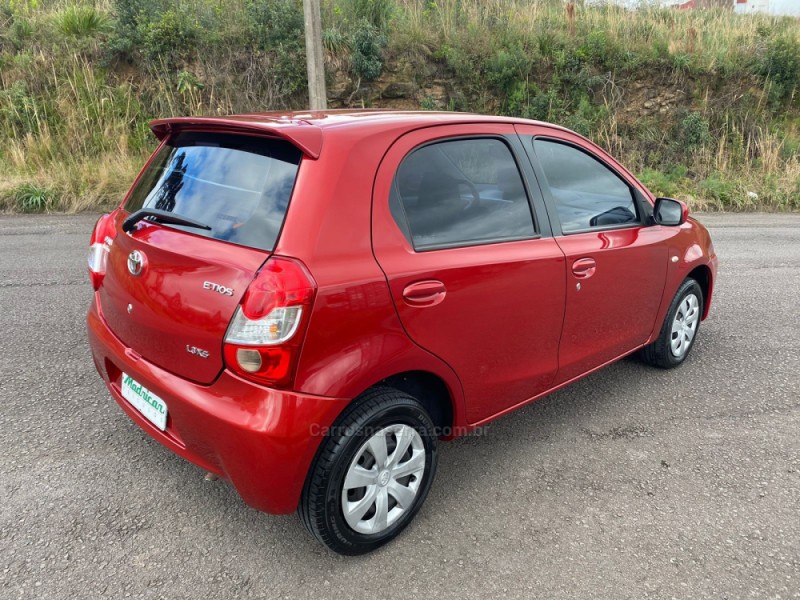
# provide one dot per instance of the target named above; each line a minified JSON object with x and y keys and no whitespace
{"x":424,"y":293}
{"x":583,"y":268}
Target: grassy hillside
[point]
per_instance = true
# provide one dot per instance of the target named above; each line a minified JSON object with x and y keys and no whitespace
{"x":703,"y":105}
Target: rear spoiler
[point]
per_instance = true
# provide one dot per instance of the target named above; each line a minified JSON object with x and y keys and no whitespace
{"x":304,"y":135}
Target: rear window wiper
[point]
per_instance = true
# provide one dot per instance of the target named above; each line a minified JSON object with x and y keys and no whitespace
{"x":160,"y":216}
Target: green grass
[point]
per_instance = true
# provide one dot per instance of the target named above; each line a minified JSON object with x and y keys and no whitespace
{"x":82,"y":21}
{"x":30,"y":198}
{"x":703,"y":105}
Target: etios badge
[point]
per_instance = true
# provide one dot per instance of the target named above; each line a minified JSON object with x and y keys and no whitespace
{"x":135,"y":262}
{"x":210,"y":285}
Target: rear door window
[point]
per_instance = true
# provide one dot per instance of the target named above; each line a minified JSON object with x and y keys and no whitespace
{"x":237,"y":185}
{"x":461,"y":193}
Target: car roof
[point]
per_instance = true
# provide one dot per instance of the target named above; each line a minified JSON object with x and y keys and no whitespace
{"x":306,"y":129}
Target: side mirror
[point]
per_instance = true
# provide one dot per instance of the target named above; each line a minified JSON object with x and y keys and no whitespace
{"x":670,"y":212}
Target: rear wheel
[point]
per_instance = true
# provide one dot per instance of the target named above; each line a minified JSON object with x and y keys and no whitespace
{"x":372,"y":473}
{"x":680,"y":328}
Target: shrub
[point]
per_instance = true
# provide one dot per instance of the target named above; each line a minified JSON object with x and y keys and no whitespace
{"x":169,"y":37}
{"x":518,"y":99}
{"x":277,"y":27}
{"x":162,"y":32}
{"x":506,"y":68}
{"x":188,"y":81}
{"x":428,"y":103}
{"x":545,"y":106}
{"x":377,"y":13}
{"x":584,"y":118}
{"x":19,"y":110}
{"x":165,"y":32}
{"x":276,"y":23}
{"x":601,"y":50}
{"x":20,"y":32}
{"x":668,"y":183}
{"x":128,"y":14}
{"x":366,"y":60}
{"x":693,"y":131}
{"x":657,"y":182}
{"x":82,"y":21}
{"x":780,"y":66}
{"x":549,"y":43}
{"x":722,"y":189}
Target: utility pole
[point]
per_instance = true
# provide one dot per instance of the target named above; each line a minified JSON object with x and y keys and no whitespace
{"x":314,"y":60}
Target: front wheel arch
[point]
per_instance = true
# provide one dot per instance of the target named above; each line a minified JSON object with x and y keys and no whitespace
{"x":658,"y":353}
{"x":702,"y":275}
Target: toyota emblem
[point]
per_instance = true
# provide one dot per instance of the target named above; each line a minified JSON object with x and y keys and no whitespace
{"x":135,"y":262}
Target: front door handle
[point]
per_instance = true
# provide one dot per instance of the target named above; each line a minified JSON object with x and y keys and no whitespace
{"x":583,"y":268}
{"x":424,"y":293}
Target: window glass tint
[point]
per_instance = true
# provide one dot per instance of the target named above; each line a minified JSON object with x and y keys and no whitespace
{"x":586,"y":192}
{"x":461,"y":192}
{"x":237,"y":185}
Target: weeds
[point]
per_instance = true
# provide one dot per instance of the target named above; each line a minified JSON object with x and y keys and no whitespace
{"x":83,"y":21}
{"x":780,"y":66}
{"x":30,"y":198}
{"x":701,"y":104}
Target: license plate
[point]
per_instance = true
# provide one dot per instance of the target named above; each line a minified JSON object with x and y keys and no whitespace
{"x":146,"y":402}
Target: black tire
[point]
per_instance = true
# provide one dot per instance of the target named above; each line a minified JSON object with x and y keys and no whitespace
{"x":659,"y":353}
{"x":320,"y":506}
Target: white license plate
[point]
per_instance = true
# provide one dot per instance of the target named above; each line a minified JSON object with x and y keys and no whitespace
{"x":146,"y":402}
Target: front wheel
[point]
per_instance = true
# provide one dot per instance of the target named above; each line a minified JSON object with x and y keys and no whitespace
{"x":680,"y":328}
{"x":372,"y":473}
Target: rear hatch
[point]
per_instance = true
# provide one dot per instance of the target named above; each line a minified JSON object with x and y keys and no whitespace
{"x":170,"y":290}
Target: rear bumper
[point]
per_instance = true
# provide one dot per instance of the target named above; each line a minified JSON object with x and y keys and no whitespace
{"x":261,"y":440}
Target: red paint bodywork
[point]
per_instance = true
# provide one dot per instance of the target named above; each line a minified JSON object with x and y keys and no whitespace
{"x":166,"y":304}
{"x":500,"y":324}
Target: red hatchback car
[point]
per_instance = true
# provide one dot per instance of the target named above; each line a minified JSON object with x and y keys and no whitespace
{"x":304,"y":304}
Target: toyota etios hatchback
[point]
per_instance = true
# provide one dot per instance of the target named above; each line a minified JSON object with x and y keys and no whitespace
{"x":304,"y":304}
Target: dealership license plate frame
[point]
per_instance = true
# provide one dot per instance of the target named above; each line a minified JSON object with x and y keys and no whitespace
{"x":149,"y":405}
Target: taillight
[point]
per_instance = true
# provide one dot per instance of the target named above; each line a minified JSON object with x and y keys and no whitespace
{"x":99,"y":247}
{"x":264,"y":336}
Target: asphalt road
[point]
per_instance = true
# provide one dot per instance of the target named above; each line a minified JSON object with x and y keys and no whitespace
{"x":634,"y":483}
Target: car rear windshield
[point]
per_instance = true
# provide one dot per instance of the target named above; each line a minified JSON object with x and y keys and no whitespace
{"x":237,"y":185}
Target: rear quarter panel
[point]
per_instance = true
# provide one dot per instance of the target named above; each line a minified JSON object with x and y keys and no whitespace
{"x":355,"y":338}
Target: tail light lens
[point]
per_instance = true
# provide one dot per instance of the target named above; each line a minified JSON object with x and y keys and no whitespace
{"x":265,"y":333}
{"x":99,"y":247}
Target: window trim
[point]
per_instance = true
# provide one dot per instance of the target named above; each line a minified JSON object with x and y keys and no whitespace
{"x":405,"y":228}
{"x":539,"y":170}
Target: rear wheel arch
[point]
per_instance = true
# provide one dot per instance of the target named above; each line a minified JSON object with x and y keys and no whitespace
{"x":428,"y":388}
{"x":326,"y":493}
{"x":431,"y":391}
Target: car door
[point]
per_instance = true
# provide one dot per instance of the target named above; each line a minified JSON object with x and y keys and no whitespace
{"x":616,"y":260}
{"x":475,"y":278}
